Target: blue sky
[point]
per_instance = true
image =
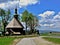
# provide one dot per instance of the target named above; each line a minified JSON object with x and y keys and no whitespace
{"x":47,"y":11}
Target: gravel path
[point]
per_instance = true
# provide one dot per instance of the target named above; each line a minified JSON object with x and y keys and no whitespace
{"x":34,"y":41}
{"x":26,"y":41}
{"x":40,"y":41}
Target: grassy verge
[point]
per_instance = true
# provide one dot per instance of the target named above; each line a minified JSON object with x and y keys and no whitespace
{"x":55,"y":34}
{"x":9,"y":40}
{"x":45,"y":34}
{"x":6,"y":40}
{"x":48,"y":34}
{"x":54,"y":40}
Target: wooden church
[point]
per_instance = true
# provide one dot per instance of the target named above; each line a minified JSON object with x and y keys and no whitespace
{"x":15,"y":25}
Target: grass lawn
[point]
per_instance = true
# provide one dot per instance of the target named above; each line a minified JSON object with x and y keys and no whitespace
{"x":48,"y":34}
{"x":45,"y":34}
{"x":8,"y":40}
{"x":54,"y":40}
{"x":55,"y":34}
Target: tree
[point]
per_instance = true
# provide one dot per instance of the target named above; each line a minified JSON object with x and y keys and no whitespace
{"x":25,"y":17}
{"x":7,"y":16}
{"x":32,"y":22}
{"x":3,"y":15}
{"x":35,"y":23}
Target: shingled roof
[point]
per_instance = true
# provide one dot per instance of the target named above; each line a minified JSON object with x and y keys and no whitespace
{"x":14,"y":24}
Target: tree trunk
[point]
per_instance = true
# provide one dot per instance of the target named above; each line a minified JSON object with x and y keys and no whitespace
{"x":26,"y":27}
{"x":4,"y":25}
{"x":31,"y":27}
{"x":4,"y":28}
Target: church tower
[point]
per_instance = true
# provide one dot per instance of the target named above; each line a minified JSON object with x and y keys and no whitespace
{"x":15,"y":25}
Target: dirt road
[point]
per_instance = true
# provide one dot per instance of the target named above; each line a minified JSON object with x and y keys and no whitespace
{"x":26,"y":41}
{"x":34,"y":41}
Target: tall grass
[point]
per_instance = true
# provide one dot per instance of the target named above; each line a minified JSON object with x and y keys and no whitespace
{"x":54,"y":40}
{"x":6,"y":40}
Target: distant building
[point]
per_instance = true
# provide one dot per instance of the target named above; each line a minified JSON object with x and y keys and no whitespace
{"x":15,"y":25}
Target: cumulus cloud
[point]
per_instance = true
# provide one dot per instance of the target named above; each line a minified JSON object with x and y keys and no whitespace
{"x":47,"y":13}
{"x":57,"y":16}
{"x":46,"y":19}
{"x":27,"y":2}
{"x":57,"y":24}
{"x":53,"y":22}
{"x":47,"y":25}
{"x":56,"y":20}
{"x":10,"y":4}
{"x":18,"y":3}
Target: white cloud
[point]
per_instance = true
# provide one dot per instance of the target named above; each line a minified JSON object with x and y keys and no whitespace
{"x":51,"y":25}
{"x":2,"y":5}
{"x":53,"y":22}
{"x":56,"y":20}
{"x":57,"y":24}
{"x":10,"y":4}
{"x":47,"y":25}
{"x":47,"y":13}
{"x":57,"y":16}
{"x":18,"y":3}
{"x":27,"y":2}
{"x":45,"y":18}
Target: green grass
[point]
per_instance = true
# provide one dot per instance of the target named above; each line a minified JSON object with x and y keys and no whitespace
{"x":54,"y":40}
{"x":45,"y":34}
{"x":48,"y":34}
{"x":6,"y":40}
{"x":55,"y":34}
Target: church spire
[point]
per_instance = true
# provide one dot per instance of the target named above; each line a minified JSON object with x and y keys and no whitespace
{"x":16,"y":15}
{"x":15,"y":10}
